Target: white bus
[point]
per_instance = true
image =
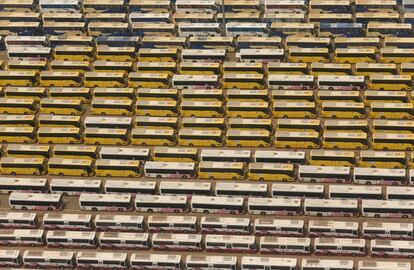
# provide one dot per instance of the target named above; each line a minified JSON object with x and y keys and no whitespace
{"x":260,"y":55}
{"x":341,"y":82}
{"x":121,"y":240}
{"x":21,"y":220}
{"x":274,"y":206}
{"x":381,"y":265}
{"x":156,"y":261}
{"x":48,"y":259}
{"x":185,"y":188}
{"x":70,"y":239}
{"x":247,"y":190}
{"x":236,"y":29}
{"x":326,"y":174}
{"x":158,"y":169}
{"x":34,"y":185}
{"x":283,"y":245}
{"x":390,"y":230}
{"x":220,"y":205}
{"x":298,"y":191}
{"x":183,"y":224}
{"x":225,"y":225}
{"x":134,"y":153}
{"x":392,"y":248}
{"x":291,"y":82}
{"x":327,"y":264}
{"x":21,"y":237}
{"x":331,"y":207}
{"x":378,"y":176}
{"x":387,"y":208}
{"x":164,"y":204}
{"x":339,"y":246}
{"x":355,"y":192}
{"x":109,"y":222}
{"x":230,"y":243}
{"x":270,"y":156}
{"x":186,"y":29}
{"x":106,"y":260}
{"x":180,"y":81}
{"x":35,"y":201}
{"x":177,"y":241}
{"x":265,"y":263}
{"x":225,"y":155}
{"x":129,"y":186}
{"x":105,"y":202}
{"x":10,"y":257}
{"x":75,"y":187}
{"x":333,"y":228}
{"x":58,"y":221}
{"x":196,"y":6}
{"x":203,"y":262}
{"x":399,"y":193}
{"x":281,"y":227}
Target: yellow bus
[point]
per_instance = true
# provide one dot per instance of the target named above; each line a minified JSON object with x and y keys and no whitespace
{"x":243,"y":81}
{"x":308,"y":55}
{"x":390,"y":82}
{"x":243,"y":67}
{"x":110,"y":53}
{"x":82,"y":93}
{"x":338,"y":96}
{"x":287,"y":68}
{"x":106,"y":136}
{"x":28,"y":150}
{"x":111,"y":66}
{"x":26,"y":65}
{"x":247,"y":95}
{"x":392,"y":141}
{"x":166,"y":108}
{"x":337,"y":158}
{"x":22,"y":166}
{"x":355,"y":55}
{"x":50,"y":120}
{"x":174,"y":154}
{"x":344,"y":124}
{"x":106,"y":106}
{"x":60,"y":79}
{"x":70,"y":167}
{"x":199,"y":68}
{"x":190,"y":108}
{"x":345,"y":140}
{"x":271,"y":172}
{"x":59,"y":135}
{"x":17,"y":134}
{"x":317,"y":69}
{"x":61,"y":106}
{"x":104,"y":79}
{"x":18,"y":120}
{"x":396,"y":55}
{"x":74,"y":66}
{"x":244,"y":109}
{"x":36,"y":93}
{"x":18,"y":106}
{"x":382,"y":159}
{"x":221,"y":170}
{"x":200,"y":137}
{"x":157,"y":122}
{"x":248,"y":138}
{"x":75,"y":151}
{"x":299,"y":125}
{"x":148,"y":80}
{"x":385,"y":96}
{"x":114,"y":93}
{"x":297,"y":139}
{"x":168,"y":68}
{"x":153,"y":136}
{"x":18,"y":78}
{"x":366,"y":69}
{"x":117,"y":168}
{"x":74,"y":53}
{"x":292,"y":95}
{"x":294,"y":109}
{"x":391,"y":110}
{"x":157,"y":94}
{"x":203,"y":123}
{"x":335,"y":109}
{"x":157,"y":55}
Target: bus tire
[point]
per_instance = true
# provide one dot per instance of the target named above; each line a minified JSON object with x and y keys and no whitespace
{"x":131,"y":176}
{"x":319,"y":215}
{"x":205,"y":211}
{"x":50,"y":142}
{"x":211,"y":177}
{"x":377,"y":215}
{"x":184,"y":177}
{"x":150,"y":210}
{"x":176,"y":211}
{"x":261,"y":179}
{"x":5,"y":141}
{"x":13,"y":173}
{"x":238,"y":145}
{"x":108,"y":175}
{"x":263,"y":213}
{"x":61,"y":174}
{"x":94,"y":209}
{"x":404,"y":216}
{"x":310,"y":146}
{"x":234,"y":178}
{"x":232,"y":212}
{"x":261,"y":145}
{"x":24,"y":208}
{"x":191,"y":144}
{"x":49,"y":208}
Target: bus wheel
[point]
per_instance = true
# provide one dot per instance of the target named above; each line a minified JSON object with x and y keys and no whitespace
{"x":404,"y":216}
{"x":131,"y":176}
{"x":211,"y":177}
{"x":261,"y":145}
{"x":319,"y":214}
{"x":24,"y":208}
{"x":310,"y":146}
{"x":94,"y":209}
{"x":239,"y":145}
{"x":261,"y":179}
{"x":97,"y":143}
{"x":176,"y":211}
{"x":263,"y":213}
{"x":234,"y":178}
{"x":108,"y":175}
{"x":150,"y":210}
{"x":50,"y":142}
{"x":232,"y":212}
{"x":25,"y":141}
{"x":205,"y":212}
{"x":184,"y":177}
{"x":165,"y":144}
{"x":49,"y":208}
{"x":61,"y":174}
{"x":377,"y":215}
{"x":5,"y":141}
{"x":408,"y":149}
{"x":13,"y":173}
{"x":191,"y":144}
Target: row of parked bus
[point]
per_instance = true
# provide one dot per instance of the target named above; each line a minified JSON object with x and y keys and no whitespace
{"x":206,"y":225}
{"x":110,"y":260}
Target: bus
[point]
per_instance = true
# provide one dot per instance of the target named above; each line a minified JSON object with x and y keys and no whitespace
{"x":105,"y":202}
{"x":60,"y":79}
{"x":34,"y":185}
{"x":91,"y":260}
{"x":119,"y":54}
{"x":298,"y":191}
{"x":284,"y":245}
{"x":243,"y":67}
{"x":209,"y":55}
{"x":70,"y":239}
{"x":157,"y":169}
{"x":366,"y":69}
{"x":297,"y":139}
{"x":379,"y":176}
{"x":174,"y":154}
{"x":383,"y":29}
{"x":355,"y":55}
{"x":324,"y":174}
{"x":331,"y":228}
{"x":144,"y":79}
{"x":230,"y":243}
{"x":155,"y":261}
{"x":396,"y":55}
{"x":217,"y":204}
{"x":339,"y":96}
{"x":339,"y":246}
{"x":10,"y":258}
{"x":130,"y":187}
{"x":154,"y":42}
{"x":198,"y":68}
{"x":190,"y":108}
{"x":107,"y":106}
{"x":169,"y":94}
{"x":74,"y":222}
{"x":153,"y":136}
{"x":247,"y":109}
{"x":237,"y":189}
{"x":262,"y":263}
{"x":287,"y":68}
{"x":36,"y":93}
{"x":22,"y":237}
{"x":248,"y":138}
{"x":338,"y":158}
{"x":264,"y":56}
{"x":345,"y":140}
{"x":156,"y":107}
{"x":203,"y":122}
{"x":169,"y":68}
{"x":117,"y":168}
{"x":35,"y":201}
{"x":187,"y":188}
{"x":271,"y":172}
{"x":281,"y":227}
{"x":18,"y":78}
{"x":18,"y":120}
{"x":59,"y":135}
{"x":236,"y":29}
{"x":387,"y":208}
{"x":201,"y":262}
{"x":357,"y":125}
{"x":70,"y":167}
{"x":284,"y":29}
{"x":331,"y":207}
{"x":124,"y":240}
{"x":75,"y":151}
{"x":247,"y":123}
{"x":17,"y":134}
{"x":183,"y":224}
{"x":382,"y":159}
{"x":203,"y":94}
{"x":96,"y":29}
{"x":211,"y":42}
{"x":274,"y":206}
{"x":22,"y":150}
{"x":269,"y":156}
{"x":225,"y":225}
{"x":18,"y":220}
{"x":61,"y":106}
{"x":125,"y":153}
{"x":114,"y":93}
{"x":18,"y":105}
{"x":71,"y":40}
{"x":251,"y":42}
{"x":377,"y":265}
{"x":82,"y":93}
{"x":399,"y":193}
{"x":308,"y":55}
{"x":22,"y":166}
{"x":243,"y":81}
{"x":48,"y":259}
{"x":61,"y":17}
{"x":198,"y":137}
{"x":391,"y":248}
{"x":341,"y":82}
{"x":104,"y":79}
{"x":110,"y":222}
{"x":225,"y":155}
{"x":111,"y":66}
{"x":294,"y":109}
{"x":201,"y":6}
{"x":210,"y":29}
{"x":26,"y":65}
{"x":53,"y":6}
{"x":163,"y":204}
{"x":385,"y":96}
{"x":355,"y":192}
{"x":387,"y":230}
{"x":158,"y":55}
{"x":221,"y":170}
{"x":74,"y":53}
{"x":177,"y":241}
{"x":195,"y":81}
{"x":344,"y":109}
{"x":74,"y":187}
{"x":317,"y":69}
{"x":390,"y":82}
